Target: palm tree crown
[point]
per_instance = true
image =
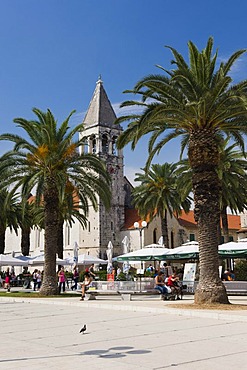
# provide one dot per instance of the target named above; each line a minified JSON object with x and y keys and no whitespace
{"x":158,"y":194}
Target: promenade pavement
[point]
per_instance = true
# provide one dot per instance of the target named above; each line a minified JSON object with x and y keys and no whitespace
{"x":43,"y":333}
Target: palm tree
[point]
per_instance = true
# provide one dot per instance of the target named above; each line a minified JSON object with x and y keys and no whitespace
{"x":9,"y":206}
{"x":47,"y":161}
{"x":197,"y":100}
{"x":158,"y":195}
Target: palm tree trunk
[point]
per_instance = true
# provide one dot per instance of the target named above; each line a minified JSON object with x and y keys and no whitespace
{"x":51,"y":206}
{"x":60,"y":240}
{"x":2,"y":241}
{"x":203,"y":156}
{"x":224,"y":220}
{"x":164,"y":230}
{"x":25,"y":241}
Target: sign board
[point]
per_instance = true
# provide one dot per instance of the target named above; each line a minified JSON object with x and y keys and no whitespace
{"x":189,"y":272}
{"x":140,"y":271}
{"x":220,"y":271}
{"x":110,"y":277}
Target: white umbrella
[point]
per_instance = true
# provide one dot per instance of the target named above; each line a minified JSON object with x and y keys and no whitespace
{"x":85,"y":259}
{"x":149,"y":253}
{"x":109,"y":253}
{"x":126,"y":265}
{"x":161,"y":241}
{"x":75,"y":251}
{"x":11,"y":261}
{"x":40,"y":260}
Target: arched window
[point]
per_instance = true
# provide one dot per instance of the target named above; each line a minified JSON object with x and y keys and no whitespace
{"x":93,"y":144}
{"x":114,"y":145}
{"x":155,"y":236}
{"x":85,"y":148}
{"x":105,"y":144}
{"x":172,"y":239}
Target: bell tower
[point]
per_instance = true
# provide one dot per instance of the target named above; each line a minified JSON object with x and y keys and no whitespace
{"x":100,"y":135}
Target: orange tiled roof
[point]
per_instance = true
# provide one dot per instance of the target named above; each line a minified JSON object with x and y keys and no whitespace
{"x":132,"y":216}
{"x":234,"y":222}
{"x":187,"y":220}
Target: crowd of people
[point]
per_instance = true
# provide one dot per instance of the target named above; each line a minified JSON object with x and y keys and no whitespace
{"x":168,"y":281}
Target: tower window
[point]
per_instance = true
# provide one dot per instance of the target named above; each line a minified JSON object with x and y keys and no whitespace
{"x":85,"y":146}
{"x":105,"y":144}
{"x":114,"y":145}
{"x":94,"y":145}
{"x":155,"y":236}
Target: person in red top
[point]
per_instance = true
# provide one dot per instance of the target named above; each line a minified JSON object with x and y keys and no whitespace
{"x":7,"y":280}
{"x":172,"y":282}
{"x":61,"y":279}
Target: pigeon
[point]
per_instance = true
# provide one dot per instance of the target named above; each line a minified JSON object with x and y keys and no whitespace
{"x":83,"y":329}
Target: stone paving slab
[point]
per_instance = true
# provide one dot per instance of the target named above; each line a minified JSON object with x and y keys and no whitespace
{"x":44,"y":333}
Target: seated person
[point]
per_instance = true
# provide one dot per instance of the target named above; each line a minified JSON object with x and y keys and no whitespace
{"x":172,"y":282}
{"x":160,"y":284}
{"x":85,"y":285}
{"x":91,"y":271}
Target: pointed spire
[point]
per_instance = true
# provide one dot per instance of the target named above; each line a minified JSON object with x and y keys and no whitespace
{"x":100,"y":111}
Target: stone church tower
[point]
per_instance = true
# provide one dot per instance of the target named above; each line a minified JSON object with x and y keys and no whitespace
{"x":100,"y":136}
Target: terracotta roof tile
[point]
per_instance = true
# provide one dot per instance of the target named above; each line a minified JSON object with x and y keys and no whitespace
{"x":234,"y":222}
{"x":187,"y":220}
{"x":132,"y":216}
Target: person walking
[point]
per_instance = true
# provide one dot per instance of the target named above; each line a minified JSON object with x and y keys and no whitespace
{"x":75,"y":278}
{"x":39,"y":279}
{"x":34,"y":277}
{"x":7,"y":280}
{"x":61,"y":280}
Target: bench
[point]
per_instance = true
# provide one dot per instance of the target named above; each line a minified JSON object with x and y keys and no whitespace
{"x":92,"y":294}
{"x":236,"y":287}
{"x":125,"y":295}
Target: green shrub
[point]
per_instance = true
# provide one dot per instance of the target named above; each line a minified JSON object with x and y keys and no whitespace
{"x":240,"y":270}
{"x":121,"y":277}
{"x":102,"y":275}
{"x":69,"y":274}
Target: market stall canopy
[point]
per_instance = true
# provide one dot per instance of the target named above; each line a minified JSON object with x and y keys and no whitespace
{"x":11,"y":261}
{"x":40,"y":260}
{"x":189,"y":250}
{"x":233,"y":249}
{"x":23,"y":258}
{"x":86,"y":259}
{"x":148,"y":253}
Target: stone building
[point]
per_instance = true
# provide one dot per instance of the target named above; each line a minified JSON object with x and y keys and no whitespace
{"x":100,"y":135}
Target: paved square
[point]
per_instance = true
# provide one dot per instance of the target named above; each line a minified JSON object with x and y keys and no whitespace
{"x":46,"y":336}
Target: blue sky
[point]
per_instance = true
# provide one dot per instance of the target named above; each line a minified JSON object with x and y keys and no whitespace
{"x":52,"y":52}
